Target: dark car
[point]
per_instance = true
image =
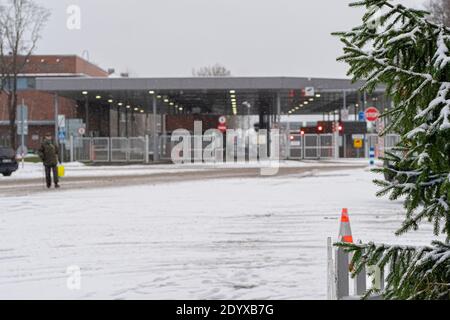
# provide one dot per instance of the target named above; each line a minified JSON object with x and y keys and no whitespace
{"x":8,"y":162}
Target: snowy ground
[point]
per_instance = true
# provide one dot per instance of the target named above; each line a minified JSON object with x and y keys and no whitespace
{"x":258,"y":238}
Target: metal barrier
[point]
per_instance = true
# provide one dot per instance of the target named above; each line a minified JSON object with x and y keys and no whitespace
{"x":83,"y":149}
{"x":165,"y":147}
{"x":326,"y":146}
{"x":338,"y":277}
{"x":108,"y":149}
{"x":119,"y":149}
{"x":136,"y":149}
{"x":390,"y":141}
{"x":381,"y":144}
{"x":295,"y":144}
{"x":311,"y":146}
{"x":100,"y":149}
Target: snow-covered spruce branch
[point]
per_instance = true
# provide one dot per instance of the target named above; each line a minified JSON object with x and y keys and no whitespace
{"x":414,"y":272}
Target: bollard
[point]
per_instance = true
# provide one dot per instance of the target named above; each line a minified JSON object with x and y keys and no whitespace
{"x":372,"y":156}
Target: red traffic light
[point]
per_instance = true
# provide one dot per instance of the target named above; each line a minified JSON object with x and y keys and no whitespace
{"x":320,"y":128}
{"x":302,"y":132}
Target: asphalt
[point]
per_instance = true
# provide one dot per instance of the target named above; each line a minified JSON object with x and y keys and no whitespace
{"x":32,"y":186}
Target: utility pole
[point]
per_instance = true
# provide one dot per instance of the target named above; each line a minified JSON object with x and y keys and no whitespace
{"x":22,"y":133}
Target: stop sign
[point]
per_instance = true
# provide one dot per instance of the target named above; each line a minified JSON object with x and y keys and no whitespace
{"x":372,"y":114}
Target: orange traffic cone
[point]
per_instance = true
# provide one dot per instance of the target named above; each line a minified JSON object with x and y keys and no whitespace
{"x":345,"y":232}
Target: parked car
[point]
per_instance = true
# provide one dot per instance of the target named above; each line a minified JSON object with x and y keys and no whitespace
{"x":8,"y":162}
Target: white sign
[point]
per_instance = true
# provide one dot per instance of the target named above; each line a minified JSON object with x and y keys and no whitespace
{"x":61,"y":121}
{"x":25,"y":127}
{"x":357,"y":136}
{"x":81,"y":131}
{"x":22,"y":151}
{"x":345,"y":114}
{"x":309,"y":92}
{"x":222,"y":120}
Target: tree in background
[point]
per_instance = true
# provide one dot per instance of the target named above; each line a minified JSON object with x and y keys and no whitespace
{"x":398,"y":47}
{"x":439,"y":11}
{"x":216,"y":70}
{"x":21,"y":23}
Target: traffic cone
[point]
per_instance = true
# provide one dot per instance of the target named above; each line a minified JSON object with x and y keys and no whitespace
{"x":345,"y":232}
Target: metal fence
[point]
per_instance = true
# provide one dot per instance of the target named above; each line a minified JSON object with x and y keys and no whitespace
{"x":312,"y":146}
{"x":339,"y":281}
{"x":141,"y":149}
{"x":380,"y":144}
{"x":108,"y":149}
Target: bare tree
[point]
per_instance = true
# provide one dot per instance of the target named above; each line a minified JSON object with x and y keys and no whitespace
{"x":439,"y":11}
{"x":216,"y":70}
{"x":21,"y":24}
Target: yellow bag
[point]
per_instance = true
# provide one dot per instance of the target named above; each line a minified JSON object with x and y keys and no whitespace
{"x":61,"y":171}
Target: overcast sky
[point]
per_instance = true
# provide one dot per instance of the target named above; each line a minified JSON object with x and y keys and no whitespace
{"x":170,"y":37}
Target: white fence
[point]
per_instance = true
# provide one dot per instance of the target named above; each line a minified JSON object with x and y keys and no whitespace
{"x":339,"y":280}
{"x":109,"y":149}
{"x":311,"y":146}
{"x":380,"y":144}
{"x":140,"y":149}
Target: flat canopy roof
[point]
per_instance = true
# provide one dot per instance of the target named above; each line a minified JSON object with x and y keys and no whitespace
{"x":211,"y":95}
{"x":219,"y":83}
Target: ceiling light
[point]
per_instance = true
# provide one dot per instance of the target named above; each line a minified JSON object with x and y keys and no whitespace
{"x":232,"y":91}
{"x":98,"y":97}
{"x":166,"y":100}
{"x":306,"y":102}
{"x":128,"y":107}
{"x":318,"y":95}
{"x":172,"y":103}
{"x":311,"y":99}
{"x":84,"y":92}
{"x":151,"y":92}
{"x":159,"y":97}
{"x":142,"y":111}
{"x":120,"y":104}
{"x":136,"y":109}
{"x":110,"y":100}
{"x":180,"y":108}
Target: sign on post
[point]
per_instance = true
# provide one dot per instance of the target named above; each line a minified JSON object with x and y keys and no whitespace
{"x":309,"y":92}
{"x":361,"y":116}
{"x":358,"y":143}
{"x":372,"y":114}
{"x":61,"y":121}
{"x":22,"y":120}
{"x":222,"y":124}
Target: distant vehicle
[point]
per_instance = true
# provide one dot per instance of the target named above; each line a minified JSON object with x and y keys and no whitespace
{"x":8,"y":162}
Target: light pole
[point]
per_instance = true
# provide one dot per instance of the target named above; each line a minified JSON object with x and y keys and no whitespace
{"x":249,"y":106}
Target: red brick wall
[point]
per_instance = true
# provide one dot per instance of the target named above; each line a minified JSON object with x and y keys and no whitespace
{"x":62,"y":64}
{"x":85,"y":67}
{"x":40,"y":105}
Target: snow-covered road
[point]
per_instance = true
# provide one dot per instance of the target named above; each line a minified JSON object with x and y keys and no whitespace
{"x":254,"y":238}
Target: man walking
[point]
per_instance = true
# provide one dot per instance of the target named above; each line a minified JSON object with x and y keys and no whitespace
{"x":49,"y":154}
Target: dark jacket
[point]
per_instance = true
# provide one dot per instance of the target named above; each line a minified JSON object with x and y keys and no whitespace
{"x":49,"y":153}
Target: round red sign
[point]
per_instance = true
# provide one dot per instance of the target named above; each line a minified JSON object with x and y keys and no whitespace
{"x":372,"y":114}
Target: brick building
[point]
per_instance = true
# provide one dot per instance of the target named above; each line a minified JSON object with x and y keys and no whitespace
{"x":41,"y":111}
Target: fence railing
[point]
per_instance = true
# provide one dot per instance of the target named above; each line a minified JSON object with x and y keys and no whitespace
{"x":142,"y":149}
{"x":339,"y":277}
{"x":310,"y":146}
